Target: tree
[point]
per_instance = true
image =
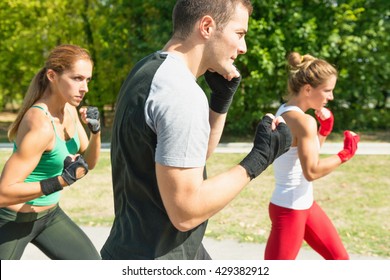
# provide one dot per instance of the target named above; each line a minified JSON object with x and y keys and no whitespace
{"x":28,"y":31}
{"x":351,"y":34}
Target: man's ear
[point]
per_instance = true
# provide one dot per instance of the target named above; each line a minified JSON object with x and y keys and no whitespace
{"x":207,"y":26}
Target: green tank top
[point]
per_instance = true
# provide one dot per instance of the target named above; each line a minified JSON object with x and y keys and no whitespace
{"x":52,"y":163}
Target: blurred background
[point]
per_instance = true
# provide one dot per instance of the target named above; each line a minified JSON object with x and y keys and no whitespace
{"x":353,"y":35}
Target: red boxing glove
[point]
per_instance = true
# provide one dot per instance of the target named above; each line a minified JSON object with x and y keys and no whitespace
{"x":326,"y":125}
{"x":350,"y":146}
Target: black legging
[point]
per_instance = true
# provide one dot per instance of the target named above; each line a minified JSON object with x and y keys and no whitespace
{"x":55,"y":234}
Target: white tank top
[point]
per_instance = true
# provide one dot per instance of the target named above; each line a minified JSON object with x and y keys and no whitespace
{"x":292,"y":190}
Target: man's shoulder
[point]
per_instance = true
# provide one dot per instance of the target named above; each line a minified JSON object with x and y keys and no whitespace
{"x":149,"y":64}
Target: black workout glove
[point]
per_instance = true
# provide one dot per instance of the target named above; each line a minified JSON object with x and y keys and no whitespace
{"x":73,"y":170}
{"x":268,"y":145}
{"x":222,"y":91}
{"x":93,"y":119}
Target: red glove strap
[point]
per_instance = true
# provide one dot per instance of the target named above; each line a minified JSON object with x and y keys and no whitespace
{"x":326,"y":125}
{"x":344,"y":155}
{"x":350,"y":146}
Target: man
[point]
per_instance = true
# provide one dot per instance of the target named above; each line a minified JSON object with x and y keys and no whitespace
{"x":164,"y":130}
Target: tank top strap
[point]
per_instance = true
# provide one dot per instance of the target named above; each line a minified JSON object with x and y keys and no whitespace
{"x":284,"y":108}
{"x":47,"y":114}
{"x":52,"y":121}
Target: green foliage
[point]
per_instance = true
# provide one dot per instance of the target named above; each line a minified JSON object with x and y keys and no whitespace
{"x":28,"y":30}
{"x":124,"y":32}
{"x":351,"y":34}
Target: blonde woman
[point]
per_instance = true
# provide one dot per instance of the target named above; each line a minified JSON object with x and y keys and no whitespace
{"x":294,"y":214}
{"x":51,"y":151}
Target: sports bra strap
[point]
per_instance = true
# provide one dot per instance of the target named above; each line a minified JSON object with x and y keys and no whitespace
{"x":43,"y":109}
{"x":47,"y":114}
{"x":51,"y":118}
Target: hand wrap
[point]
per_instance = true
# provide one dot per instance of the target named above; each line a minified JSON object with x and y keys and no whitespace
{"x":222,"y":91}
{"x":326,"y":125}
{"x":268,"y":145}
{"x":350,"y":146}
{"x":74,"y":170}
{"x":93,"y":119}
{"x":51,"y":185}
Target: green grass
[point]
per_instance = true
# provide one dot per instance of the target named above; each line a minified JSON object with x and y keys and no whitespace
{"x":355,"y":196}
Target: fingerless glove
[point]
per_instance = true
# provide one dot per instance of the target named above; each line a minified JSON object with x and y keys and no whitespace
{"x":73,"y":170}
{"x":93,"y":119}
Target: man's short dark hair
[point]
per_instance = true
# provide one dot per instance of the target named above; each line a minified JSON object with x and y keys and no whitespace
{"x":187,"y":12}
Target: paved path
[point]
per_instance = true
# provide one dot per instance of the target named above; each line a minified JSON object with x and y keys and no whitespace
{"x":365,"y":148}
{"x":219,"y":250}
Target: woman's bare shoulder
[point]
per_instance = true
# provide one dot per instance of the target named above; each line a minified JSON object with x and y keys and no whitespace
{"x":299,"y":123}
{"x":36,"y":121}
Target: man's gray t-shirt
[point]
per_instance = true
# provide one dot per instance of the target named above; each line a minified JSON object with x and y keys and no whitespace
{"x":177,"y":111}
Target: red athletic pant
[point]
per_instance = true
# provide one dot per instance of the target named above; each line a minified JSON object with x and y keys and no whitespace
{"x":290,"y":227}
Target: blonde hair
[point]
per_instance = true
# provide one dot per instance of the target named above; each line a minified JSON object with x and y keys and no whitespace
{"x":60,"y":59}
{"x":307,"y":69}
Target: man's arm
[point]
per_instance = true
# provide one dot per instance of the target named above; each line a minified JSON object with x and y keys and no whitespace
{"x":190,"y":200}
{"x":217,"y":124}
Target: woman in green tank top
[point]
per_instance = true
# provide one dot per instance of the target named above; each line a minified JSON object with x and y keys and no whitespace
{"x":51,"y":151}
